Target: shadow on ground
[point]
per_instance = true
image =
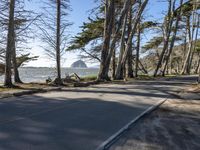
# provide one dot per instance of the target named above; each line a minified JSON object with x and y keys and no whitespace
{"x":81,"y":122}
{"x":174,"y":126}
{"x":39,"y":123}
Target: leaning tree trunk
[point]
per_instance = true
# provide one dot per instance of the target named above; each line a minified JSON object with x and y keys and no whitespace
{"x":58,"y":57}
{"x":14,"y":62}
{"x":122,"y":47}
{"x":167,"y":31}
{"x":104,"y":69}
{"x":113,"y":64}
{"x":113,"y":54}
{"x":185,"y":68}
{"x":178,"y":18}
{"x":9,"y":47}
{"x":129,"y":67}
{"x":108,"y":25}
{"x":129,"y":42}
{"x":137,"y":51}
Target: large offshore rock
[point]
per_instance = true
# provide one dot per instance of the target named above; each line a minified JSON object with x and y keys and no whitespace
{"x":79,"y":64}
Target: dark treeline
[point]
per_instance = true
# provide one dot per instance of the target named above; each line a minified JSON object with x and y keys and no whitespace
{"x":112,"y":36}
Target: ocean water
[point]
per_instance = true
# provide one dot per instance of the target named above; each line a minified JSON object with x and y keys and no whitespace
{"x":32,"y":74}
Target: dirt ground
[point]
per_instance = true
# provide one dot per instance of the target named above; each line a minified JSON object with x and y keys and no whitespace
{"x":174,"y":126}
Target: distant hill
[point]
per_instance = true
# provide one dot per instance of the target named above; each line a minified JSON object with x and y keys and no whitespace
{"x":79,"y":64}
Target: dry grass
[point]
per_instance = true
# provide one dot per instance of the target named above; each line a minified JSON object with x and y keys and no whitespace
{"x":26,"y":86}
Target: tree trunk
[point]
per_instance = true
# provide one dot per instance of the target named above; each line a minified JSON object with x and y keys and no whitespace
{"x":178,"y":18}
{"x":121,"y":73}
{"x":198,"y":65}
{"x":113,"y":64}
{"x":129,"y":67}
{"x":195,"y":20}
{"x":114,"y":53}
{"x":108,"y":25}
{"x":58,"y":57}
{"x":170,"y":65}
{"x":14,"y":61}
{"x":129,"y":42}
{"x":184,"y":48}
{"x":137,"y":51}
{"x":141,"y":67}
{"x":186,"y":62}
{"x":195,"y":40}
{"x":104,"y":69}
{"x":167,"y":31}
{"x":10,"y":44}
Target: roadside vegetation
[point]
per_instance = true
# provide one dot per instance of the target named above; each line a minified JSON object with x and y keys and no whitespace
{"x":113,"y":36}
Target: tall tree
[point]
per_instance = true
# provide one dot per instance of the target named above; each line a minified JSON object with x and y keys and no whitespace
{"x":22,"y":32}
{"x":129,"y":63}
{"x":190,"y":29}
{"x":122,"y":48}
{"x":107,"y":53}
{"x":138,"y":47}
{"x":178,"y":15}
{"x":10,"y":45}
{"x":108,"y":25}
{"x":58,"y":26}
{"x":132,"y":33}
{"x":53,"y":26}
{"x":167,"y":28}
{"x":14,"y":62}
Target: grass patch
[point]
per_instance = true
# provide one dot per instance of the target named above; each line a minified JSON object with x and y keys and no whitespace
{"x":151,"y":77}
{"x":25,"y":86}
{"x":89,"y":78}
{"x":145,"y":77}
{"x":4,"y":89}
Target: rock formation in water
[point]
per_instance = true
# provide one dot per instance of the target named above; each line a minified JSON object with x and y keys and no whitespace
{"x":79,"y":64}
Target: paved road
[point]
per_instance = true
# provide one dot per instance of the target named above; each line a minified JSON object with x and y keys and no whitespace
{"x":76,"y":119}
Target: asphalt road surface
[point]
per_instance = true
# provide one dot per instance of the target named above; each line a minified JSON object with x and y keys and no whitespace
{"x":77,"y":118}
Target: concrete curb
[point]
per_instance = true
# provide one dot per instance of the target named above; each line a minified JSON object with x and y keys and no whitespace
{"x":106,"y":144}
{"x":28,"y":92}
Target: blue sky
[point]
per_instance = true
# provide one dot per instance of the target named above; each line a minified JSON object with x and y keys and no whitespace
{"x":78,"y":15}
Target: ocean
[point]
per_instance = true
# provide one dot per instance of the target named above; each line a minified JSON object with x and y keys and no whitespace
{"x":32,"y":74}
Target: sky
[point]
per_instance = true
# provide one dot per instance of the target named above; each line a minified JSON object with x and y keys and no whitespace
{"x":78,"y":15}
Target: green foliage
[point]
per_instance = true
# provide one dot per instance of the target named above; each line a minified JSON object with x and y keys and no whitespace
{"x":153,"y":43}
{"x":148,"y":24}
{"x":90,"y":31}
{"x":89,"y":78}
{"x":24,"y":59}
{"x":20,"y":61}
{"x":187,"y":7}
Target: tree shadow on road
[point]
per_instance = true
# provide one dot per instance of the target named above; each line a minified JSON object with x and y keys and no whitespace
{"x":41,"y":123}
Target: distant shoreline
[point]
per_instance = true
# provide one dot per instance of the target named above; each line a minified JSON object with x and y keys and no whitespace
{"x":40,"y":74}
{"x":61,"y":67}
